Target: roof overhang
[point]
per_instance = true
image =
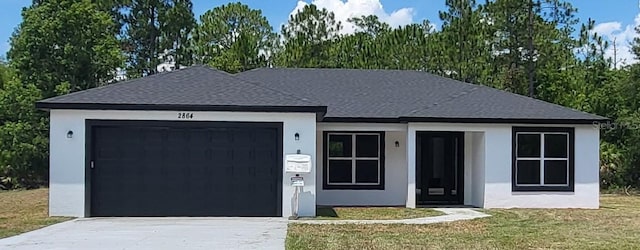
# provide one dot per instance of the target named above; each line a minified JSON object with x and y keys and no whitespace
{"x":319,"y":110}
{"x":462,"y":120}
{"x":177,"y":107}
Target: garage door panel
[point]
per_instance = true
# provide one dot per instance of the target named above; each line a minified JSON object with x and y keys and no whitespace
{"x":264,"y":137}
{"x":213,"y":169}
{"x":242,"y":137}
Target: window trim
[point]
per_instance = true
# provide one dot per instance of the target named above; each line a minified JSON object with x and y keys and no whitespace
{"x":325,"y":165}
{"x":570,"y":159}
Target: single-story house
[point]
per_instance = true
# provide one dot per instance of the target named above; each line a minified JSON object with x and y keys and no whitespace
{"x":202,"y":142}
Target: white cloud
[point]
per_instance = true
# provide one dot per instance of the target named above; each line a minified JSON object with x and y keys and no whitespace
{"x":623,"y":36}
{"x":607,"y":28}
{"x":345,"y":9}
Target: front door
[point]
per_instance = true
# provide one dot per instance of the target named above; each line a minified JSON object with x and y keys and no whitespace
{"x":439,"y":166}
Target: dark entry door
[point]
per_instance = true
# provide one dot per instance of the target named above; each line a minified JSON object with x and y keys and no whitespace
{"x":185,"y":169}
{"x":439,"y":168}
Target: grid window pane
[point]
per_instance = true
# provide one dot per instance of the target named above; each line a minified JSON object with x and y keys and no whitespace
{"x":528,"y":172}
{"x":367,"y":146}
{"x":555,"y":172}
{"x":340,"y":171}
{"x":340,"y":145}
{"x":555,"y":145}
{"x":367,"y":171}
{"x":528,"y":145}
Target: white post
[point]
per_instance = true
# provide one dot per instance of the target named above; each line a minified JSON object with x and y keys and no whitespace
{"x":411,"y":167}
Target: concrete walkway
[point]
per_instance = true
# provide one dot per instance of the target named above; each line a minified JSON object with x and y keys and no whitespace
{"x":155,"y":233}
{"x":451,"y":214}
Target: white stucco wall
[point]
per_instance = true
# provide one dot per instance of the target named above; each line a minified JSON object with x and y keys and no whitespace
{"x":498,"y":192}
{"x":468,"y":169}
{"x":395,"y":191}
{"x":487,"y":161}
{"x":477,"y":170}
{"x":490,"y":180}
{"x":67,"y":156}
{"x":473,"y":168}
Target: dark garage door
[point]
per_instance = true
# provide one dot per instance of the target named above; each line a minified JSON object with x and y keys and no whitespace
{"x":185,"y":169}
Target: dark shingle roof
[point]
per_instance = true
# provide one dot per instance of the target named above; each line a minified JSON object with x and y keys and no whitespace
{"x":197,"y":87}
{"x":410,"y":95}
{"x":345,"y":95}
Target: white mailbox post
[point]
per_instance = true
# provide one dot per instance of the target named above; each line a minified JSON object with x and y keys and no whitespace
{"x":297,"y":164}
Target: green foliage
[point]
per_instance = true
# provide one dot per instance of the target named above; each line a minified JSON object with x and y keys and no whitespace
{"x":157,"y":30}
{"x":617,"y":98}
{"x":308,"y":37}
{"x":176,"y":25}
{"x":142,"y":36}
{"x":64,"y":41}
{"x":61,"y":46}
{"x":405,"y":48}
{"x":23,"y":140}
{"x":6,"y":74}
{"x":463,"y":51}
{"x":370,"y":25}
{"x":234,"y":38}
{"x":115,"y":8}
{"x":624,"y":132}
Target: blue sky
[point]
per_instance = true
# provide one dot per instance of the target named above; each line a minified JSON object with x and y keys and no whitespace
{"x":615,"y":20}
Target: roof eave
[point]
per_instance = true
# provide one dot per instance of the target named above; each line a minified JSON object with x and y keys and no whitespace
{"x":504,"y":120}
{"x":461,"y":120}
{"x":180,"y":107}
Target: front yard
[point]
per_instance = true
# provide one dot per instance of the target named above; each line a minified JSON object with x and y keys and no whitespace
{"x":616,"y":225}
{"x":373,"y":213}
{"x":24,"y":210}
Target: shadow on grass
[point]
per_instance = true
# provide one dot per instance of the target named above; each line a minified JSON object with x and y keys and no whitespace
{"x":326,"y":212}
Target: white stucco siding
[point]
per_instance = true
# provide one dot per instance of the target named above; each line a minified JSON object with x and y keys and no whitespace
{"x":498,"y":188}
{"x":66,"y":165}
{"x":468,"y":169}
{"x":491,"y":167}
{"x":477,"y":169}
{"x":67,"y":157}
{"x":395,"y":190}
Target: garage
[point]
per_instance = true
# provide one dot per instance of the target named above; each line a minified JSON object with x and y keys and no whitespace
{"x":191,"y":142}
{"x":184,"y":168}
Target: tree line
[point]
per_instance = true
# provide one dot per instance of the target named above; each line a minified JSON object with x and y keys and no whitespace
{"x":537,"y":48}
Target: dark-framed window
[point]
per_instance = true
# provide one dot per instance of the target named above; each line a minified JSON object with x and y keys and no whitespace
{"x":543,"y":159}
{"x":353,"y":160}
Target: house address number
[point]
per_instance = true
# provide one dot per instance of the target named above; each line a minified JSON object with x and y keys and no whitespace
{"x":185,"y":115}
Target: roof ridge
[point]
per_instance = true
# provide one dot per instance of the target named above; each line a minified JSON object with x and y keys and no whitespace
{"x":337,"y":69}
{"x":261,"y":85}
{"x":235,"y":76}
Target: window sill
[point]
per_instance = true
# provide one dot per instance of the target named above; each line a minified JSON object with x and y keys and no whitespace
{"x":353,"y":187}
{"x":542,"y":188}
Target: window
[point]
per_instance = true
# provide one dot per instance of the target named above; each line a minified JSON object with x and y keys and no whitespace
{"x":543,"y":159}
{"x":353,"y":160}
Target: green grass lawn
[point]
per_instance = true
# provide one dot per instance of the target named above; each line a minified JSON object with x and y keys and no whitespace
{"x":24,"y":210}
{"x":616,"y":225}
{"x":373,"y":213}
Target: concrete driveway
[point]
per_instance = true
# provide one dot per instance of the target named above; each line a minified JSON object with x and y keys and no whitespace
{"x":155,"y":233}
